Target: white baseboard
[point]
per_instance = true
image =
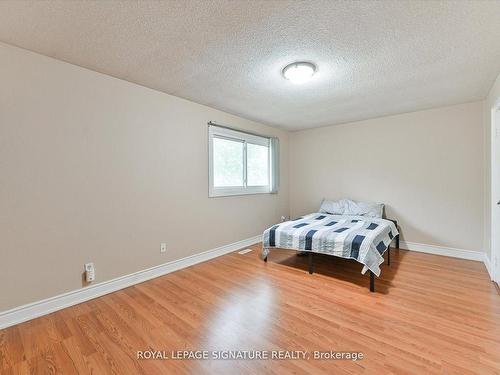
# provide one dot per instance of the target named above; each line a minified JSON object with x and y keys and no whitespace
{"x":441,"y":250}
{"x":487,"y":264}
{"x":36,"y":309}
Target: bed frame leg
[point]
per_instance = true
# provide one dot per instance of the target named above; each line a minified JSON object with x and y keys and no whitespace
{"x":311,"y":264}
{"x":372,"y":281}
{"x":397,"y":241}
{"x":388,"y":255}
{"x":265,"y":259}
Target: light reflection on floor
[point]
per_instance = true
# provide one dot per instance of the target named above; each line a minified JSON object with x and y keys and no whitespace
{"x":243,"y":318}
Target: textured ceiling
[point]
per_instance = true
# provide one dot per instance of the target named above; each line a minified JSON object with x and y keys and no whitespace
{"x":374,"y":58}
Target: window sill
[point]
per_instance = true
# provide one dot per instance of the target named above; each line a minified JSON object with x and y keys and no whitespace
{"x":229,"y":193}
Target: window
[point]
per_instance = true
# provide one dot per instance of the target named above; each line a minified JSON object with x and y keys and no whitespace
{"x":241,"y":163}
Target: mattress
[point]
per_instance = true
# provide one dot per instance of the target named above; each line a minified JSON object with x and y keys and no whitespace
{"x":361,"y":238}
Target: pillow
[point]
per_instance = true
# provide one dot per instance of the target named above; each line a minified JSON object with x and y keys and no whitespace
{"x":332,"y":207}
{"x":350,"y":207}
{"x":368,"y":209}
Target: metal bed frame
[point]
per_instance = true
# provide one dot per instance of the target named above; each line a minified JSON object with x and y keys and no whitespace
{"x":372,"y":275}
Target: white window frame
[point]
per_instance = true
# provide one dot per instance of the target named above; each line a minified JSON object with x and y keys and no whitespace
{"x":245,"y":138}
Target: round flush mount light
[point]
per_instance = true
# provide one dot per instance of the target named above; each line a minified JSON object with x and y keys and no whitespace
{"x":299,"y":72}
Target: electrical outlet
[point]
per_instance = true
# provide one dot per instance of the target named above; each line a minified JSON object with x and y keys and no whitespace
{"x":163,"y":247}
{"x":283,"y":218}
{"x":89,"y":272}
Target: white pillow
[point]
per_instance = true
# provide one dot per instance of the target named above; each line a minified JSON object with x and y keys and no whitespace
{"x":350,"y":207}
{"x":368,"y":209}
{"x":332,"y":207}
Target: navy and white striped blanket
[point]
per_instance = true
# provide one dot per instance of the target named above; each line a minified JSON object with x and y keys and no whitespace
{"x":362,"y":238}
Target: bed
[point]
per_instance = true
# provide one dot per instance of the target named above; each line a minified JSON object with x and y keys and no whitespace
{"x":359,"y":237}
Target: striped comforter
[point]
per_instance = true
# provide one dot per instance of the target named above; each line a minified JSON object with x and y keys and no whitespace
{"x":356,"y":237}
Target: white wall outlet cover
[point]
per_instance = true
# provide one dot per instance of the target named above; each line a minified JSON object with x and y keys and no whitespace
{"x":89,"y":272}
{"x":163,"y":247}
{"x":283,"y":218}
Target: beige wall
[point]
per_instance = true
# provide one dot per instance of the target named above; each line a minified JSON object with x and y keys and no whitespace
{"x":492,"y":99}
{"x":426,"y":166}
{"x":98,"y":169}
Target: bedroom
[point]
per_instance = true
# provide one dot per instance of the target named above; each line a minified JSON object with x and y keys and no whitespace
{"x":148,"y":149}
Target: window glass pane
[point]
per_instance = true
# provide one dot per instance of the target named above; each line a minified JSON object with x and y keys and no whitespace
{"x":227,"y":162}
{"x":257,"y":165}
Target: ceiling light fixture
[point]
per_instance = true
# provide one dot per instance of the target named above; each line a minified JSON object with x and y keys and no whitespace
{"x":299,"y":72}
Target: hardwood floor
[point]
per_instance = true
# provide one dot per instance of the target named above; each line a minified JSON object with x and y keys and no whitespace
{"x":429,"y":315}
